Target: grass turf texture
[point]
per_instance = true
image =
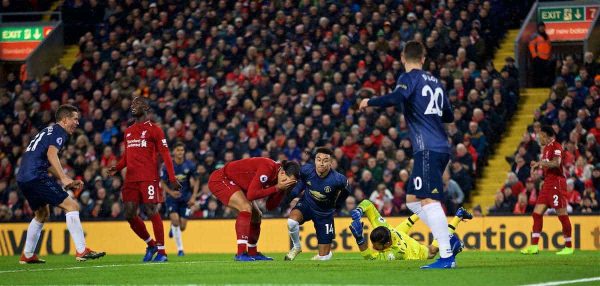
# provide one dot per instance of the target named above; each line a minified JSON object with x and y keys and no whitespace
{"x":475,"y":268}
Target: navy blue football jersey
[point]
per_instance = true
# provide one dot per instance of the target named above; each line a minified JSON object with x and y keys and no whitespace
{"x":34,"y":162}
{"x":426,"y":108}
{"x":183,"y":173}
{"x":322,"y":194}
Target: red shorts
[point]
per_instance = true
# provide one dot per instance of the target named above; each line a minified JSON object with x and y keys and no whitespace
{"x":554,"y":194}
{"x":221,"y":186}
{"x":142,"y":192}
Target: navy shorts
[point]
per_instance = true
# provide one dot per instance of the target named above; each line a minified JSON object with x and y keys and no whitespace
{"x":426,"y":178}
{"x":179,"y":207}
{"x":323,"y":223}
{"x":43,"y":191}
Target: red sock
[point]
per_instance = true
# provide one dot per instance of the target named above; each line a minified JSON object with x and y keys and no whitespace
{"x":566,"y":229}
{"x":138,"y":226}
{"x":253,"y":238}
{"x":538,"y":223}
{"x":242,"y":230}
{"x":159,"y":233}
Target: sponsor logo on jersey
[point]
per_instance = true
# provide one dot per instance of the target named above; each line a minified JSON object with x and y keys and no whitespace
{"x":137,"y":143}
{"x":317,"y":195}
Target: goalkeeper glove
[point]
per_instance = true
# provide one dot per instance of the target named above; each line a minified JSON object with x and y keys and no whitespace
{"x":356,"y":227}
{"x":356,"y":213}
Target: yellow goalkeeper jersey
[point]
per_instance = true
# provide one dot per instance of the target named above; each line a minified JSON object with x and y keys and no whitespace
{"x":403,"y":246}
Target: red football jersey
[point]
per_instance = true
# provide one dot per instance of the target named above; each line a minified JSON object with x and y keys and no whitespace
{"x":551,"y":151}
{"x":257,"y":177}
{"x":143,"y":142}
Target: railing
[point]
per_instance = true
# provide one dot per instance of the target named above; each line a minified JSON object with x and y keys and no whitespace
{"x":16,"y":15}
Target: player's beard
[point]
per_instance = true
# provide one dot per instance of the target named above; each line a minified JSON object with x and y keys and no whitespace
{"x":138,"y":114}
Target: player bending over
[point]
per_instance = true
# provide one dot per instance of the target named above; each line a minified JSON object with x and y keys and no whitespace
{"x":179,"y":204}
{"x":144,"y":140}
{"x":41,"y":190}
{"x":553,"y":193}
{"x":324,"y":191}
{"x":394,"y":243}
{"x":241,"y":182}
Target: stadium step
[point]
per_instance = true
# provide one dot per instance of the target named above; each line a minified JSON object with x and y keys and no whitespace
{"x":69,"y":56}
{"x":52,"y":8}
{"x":494,"y":174}
{"x":507,"y":48}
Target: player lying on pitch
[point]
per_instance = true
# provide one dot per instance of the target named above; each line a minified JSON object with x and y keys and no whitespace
{"x":394,"y":243}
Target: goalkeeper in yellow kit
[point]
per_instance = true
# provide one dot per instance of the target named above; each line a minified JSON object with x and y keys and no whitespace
{"x":391,"y":243}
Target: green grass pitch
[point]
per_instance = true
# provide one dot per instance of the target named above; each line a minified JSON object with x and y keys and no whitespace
{"x":474,"y":268}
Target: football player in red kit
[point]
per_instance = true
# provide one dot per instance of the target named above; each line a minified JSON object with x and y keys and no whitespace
{"x":144,"y":140}
{"x":241,"y":182}
{"x":553,"y":192}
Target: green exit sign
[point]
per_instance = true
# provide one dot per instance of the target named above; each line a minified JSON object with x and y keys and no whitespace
{"x":21,"y":34}
{"x":561,"y":14}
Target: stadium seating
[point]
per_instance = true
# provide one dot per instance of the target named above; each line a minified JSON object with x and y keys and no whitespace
{"x":571,"y":108}
{"x":241,"y":79}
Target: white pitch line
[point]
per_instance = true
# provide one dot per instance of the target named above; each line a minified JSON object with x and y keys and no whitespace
{"x":113,"y":265}
{"x":103,"y":266}
{"x":551,"y":283}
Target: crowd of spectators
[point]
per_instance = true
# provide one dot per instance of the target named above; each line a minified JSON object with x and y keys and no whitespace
{"x":236,"y":79}
{"x":573,"y":111}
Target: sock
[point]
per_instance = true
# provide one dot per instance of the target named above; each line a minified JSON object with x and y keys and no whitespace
{"x":538,"y":223}
{"x":294,"y":229}
{"x":137,"y":225}
{"x":437,"y":222}
{"x":33,"y":236}
{"x":453,"y":224}
{"x":326,"y":257}
{"x":416,"y":208}
{"x":566,"y":229}
{"x":253,"y":238}
{"x":150,"y":242}
{"x":242,"y":231}
{"x":76,"y":231}
{"x":451,"y":229}
{"x":159,"y":233}
{"x":177,"y":236}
